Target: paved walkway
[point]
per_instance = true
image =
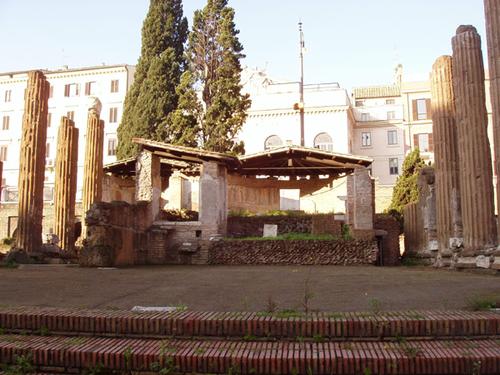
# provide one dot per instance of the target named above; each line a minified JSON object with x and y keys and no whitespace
{"x":245,"y":288}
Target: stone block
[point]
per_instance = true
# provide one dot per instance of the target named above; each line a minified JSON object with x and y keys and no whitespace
{"x":270,"y":230}
{"x":483,"y":261}
{"x":466,"y":262}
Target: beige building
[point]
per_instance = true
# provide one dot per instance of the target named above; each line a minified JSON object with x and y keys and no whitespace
{"x":70,"y":90}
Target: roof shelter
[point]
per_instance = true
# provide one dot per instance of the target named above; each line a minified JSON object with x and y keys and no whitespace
{"x":283,"y":161}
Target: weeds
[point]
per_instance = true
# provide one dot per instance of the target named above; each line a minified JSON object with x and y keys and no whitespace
{"x":308,"y":294}
{"x":44,"y":331}
{"x":23,"y":365}
{"x":271,"y":305}
{"x":481,"y":303}
{"x":249,"y":338}
{"x":375,"y":306}
{"x":318,"y":338}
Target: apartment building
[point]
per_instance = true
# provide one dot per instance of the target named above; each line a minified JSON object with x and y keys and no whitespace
{"x":70,"y":90}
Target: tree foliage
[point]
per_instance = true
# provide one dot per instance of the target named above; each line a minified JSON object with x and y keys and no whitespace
{"x":153,"y":97}
{"x":406,"y":189}
{"x":214,"y":53}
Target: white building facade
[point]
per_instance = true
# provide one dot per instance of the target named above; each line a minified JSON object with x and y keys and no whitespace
{"x":70,"y":90}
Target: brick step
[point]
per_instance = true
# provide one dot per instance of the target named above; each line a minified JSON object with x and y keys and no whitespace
{"x":241,"y":357}
{"x":233,"y":324}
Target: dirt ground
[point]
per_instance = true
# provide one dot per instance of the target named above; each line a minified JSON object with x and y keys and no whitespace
{"x":245,"y":288}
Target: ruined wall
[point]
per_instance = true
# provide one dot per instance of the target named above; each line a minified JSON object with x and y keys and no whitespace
{"x":116,"y":188}
{"x":8,"y":218}
{"x":237,"y":252}
{"x":253,"y":226}
{"x":390,"y":251}
{"x":420,"y":220}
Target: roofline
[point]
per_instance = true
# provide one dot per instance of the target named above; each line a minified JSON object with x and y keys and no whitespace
{"x":85,"y":68}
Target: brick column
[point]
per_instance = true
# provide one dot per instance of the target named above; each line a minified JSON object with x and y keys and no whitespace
{"x":478,"y":216}
{"x":447,"y":166}
{"x":492,"y":12}
{"x":93,"y":164}
{"x":65,"y":183}
{"x":32,"y":163}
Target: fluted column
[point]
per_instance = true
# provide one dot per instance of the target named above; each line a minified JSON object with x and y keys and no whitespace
{"x":32,"y":163}
{"x":65,"y":183}
{"x":444,"y":128}
{"x":476,"y":178}
{"x":93,"y":165}
{"x":492,"y":12}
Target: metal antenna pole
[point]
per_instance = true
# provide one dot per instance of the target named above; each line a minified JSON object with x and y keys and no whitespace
{"x":301,"y":87}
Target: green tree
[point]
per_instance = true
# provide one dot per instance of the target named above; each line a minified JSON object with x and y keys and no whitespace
{"x":214,"y":53}
{"x":153,"y":97}
{"x":406,"y":189}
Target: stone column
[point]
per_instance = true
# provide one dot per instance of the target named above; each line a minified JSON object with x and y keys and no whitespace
{"x":1,"y":175}
{"x":65,"y":183}
{"x":447,"y":167}
{"x":148,"y":186}
{"x":93,"y":164}
{"x":492,"y":12}
{"x":32,"y":163}
{"x":478,"y":215}
{"x":213,"y":197}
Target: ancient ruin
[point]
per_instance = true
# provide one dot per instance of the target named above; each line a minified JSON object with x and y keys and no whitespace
{"x":476,"y":178}
{"x":32,"y":163}
{"x":492,"y":12}
{"x":65,"y":183}
{"x":420,"y":220}
{"x":138,"y":231}
{"x":447,"y":166}
{"x":93,"y":168}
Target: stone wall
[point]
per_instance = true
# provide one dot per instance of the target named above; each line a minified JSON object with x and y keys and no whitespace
{"x":388,"y":229}
{"x":253,"y":226}
{"x":300,"y":252}
{"x":9,"y":212}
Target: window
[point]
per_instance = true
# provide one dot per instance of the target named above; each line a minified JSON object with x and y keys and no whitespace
{"x":365,"y":117}
{"x":90,"y":88}
{"x":390,"y":101}
{"x":114,"y":85}
{"x":47,"y":150}
{"x":324,"y":142}
{"x":391,"y":115}
{"x":5,"y":122}
{"x":72,"y":89}
{"x":393,"y":166}
{"x":360,"y":103}
{"x":392,"y":137}
{"x":366,"y":139}
{"x":423,"y":142}
{"x":71,"y":115}
{"x":3,"y":153}
{"x":113,"y":115}
{"x":421,"y":109}
{"x":49,"y":119}
{"x":111,"y":147}
{"x":51,"y":91}
{"x":272,"y":142}
{"x":8,"y":95}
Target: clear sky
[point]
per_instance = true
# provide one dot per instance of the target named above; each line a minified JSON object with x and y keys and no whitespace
{"x":353,"y":42}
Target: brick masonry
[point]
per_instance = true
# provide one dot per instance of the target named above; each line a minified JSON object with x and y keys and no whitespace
{"x":303,"y":252}
{"x":350,"y":343}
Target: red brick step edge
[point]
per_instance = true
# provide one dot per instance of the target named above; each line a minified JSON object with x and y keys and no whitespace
{"x":235,"y":324}
{"x":222,"y":357}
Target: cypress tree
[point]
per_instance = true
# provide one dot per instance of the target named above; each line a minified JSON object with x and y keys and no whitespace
{"x":214,"y":53}
{"x":406,"y":189}
{"x":152,"y":98}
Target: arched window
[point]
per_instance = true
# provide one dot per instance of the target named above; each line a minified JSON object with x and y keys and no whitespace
{"x":323,"y":141}
{"x":272,"y":142}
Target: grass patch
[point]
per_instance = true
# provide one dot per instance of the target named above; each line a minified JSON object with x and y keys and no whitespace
{"x":482,"y":303}
{"x":290,"y":237}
